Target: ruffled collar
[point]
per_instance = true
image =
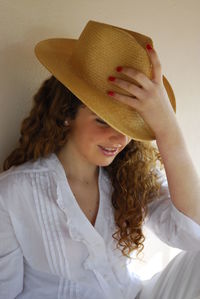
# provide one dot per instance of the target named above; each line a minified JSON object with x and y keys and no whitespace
{"x":67,"y":201}
{"x":80,"y":228}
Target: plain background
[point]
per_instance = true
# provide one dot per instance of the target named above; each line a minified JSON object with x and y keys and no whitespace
{"x":172,"y":24}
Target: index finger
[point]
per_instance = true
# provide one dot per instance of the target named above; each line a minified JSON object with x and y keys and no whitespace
{"x":156,"y":65}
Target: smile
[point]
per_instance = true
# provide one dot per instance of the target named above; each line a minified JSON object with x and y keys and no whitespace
{"x":109,"y":151}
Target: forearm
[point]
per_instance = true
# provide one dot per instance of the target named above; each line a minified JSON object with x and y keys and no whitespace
{"x":151,"y":101}
{"x":183,"y":180}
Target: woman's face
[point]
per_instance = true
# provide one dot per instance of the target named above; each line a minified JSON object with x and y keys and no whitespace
{"x":94,"y":140}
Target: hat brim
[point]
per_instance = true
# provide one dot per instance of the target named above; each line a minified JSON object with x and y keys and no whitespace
{"x":55,"y":55}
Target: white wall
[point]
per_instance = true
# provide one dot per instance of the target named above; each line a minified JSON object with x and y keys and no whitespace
{"x":173,"y":25}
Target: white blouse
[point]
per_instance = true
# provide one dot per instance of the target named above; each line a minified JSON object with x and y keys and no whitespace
{"x":48,"y":247}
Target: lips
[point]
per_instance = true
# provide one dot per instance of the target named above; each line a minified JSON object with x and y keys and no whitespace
{"x":109,"y":151}
{"x":111,"y":148}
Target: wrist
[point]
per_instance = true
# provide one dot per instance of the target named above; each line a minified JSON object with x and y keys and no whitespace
{"x":171,"y":145}
{"x":167,"y":127}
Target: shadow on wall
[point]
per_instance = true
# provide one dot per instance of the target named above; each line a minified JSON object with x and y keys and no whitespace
{"x":21,"y":76}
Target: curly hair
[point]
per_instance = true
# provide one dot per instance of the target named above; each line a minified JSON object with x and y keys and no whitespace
{"x":131,"y":173}
{"x":135,"y":183}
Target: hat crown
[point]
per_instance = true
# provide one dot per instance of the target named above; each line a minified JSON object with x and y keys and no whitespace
{"x":102,"y":47}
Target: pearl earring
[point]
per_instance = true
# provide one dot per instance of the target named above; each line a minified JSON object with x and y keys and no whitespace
{"x":66,"y":123}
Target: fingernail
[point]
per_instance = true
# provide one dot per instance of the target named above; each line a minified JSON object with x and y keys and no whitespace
{"x":111,"y":78}
{"x":119,"y":69}
{"x":111,"y":93}
{"x":149,"y":47}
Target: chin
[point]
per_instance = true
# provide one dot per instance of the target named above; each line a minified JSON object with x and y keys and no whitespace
{"x":105,"y":163}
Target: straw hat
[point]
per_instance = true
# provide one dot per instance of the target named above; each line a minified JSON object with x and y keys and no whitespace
{"x":84,"y":66}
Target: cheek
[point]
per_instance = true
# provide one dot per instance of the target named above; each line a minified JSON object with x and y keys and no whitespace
{"x":87,"y":137}
{"x":128,"y":140}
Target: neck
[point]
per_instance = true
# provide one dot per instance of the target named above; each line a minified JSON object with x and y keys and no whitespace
{"x":77,"y":169}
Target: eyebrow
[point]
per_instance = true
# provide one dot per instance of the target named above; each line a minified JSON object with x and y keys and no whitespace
{"x":98,"y":117}
{"x":93,"y":113}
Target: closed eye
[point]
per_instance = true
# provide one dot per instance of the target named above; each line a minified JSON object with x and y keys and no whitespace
{"x":101,"y":121}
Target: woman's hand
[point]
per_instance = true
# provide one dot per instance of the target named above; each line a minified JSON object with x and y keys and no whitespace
{"x":150,"y":100}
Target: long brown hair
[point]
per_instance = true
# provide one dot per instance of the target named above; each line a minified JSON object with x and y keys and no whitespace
{"x":132,"y":172}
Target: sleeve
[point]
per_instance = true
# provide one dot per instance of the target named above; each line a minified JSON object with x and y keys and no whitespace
{"x":11,"y":257}
{"x":169,"y":224}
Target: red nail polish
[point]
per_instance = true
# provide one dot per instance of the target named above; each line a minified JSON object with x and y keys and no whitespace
{"x":111,"y":78}
{"x":149,"y":47}
{"x":119,"y":69}
{"x":111,"y":93}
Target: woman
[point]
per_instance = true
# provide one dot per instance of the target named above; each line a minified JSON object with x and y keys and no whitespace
{"x":76,"y":192}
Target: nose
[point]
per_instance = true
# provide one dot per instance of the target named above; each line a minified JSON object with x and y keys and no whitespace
{"x":117,"y":138}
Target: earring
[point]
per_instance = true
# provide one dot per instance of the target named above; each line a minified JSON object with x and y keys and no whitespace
{"x":66,"y":123}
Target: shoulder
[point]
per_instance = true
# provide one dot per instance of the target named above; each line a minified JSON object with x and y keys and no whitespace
{"x":15,"y":171}
{"x":19,"y":177}
{"x":21,"y":185}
